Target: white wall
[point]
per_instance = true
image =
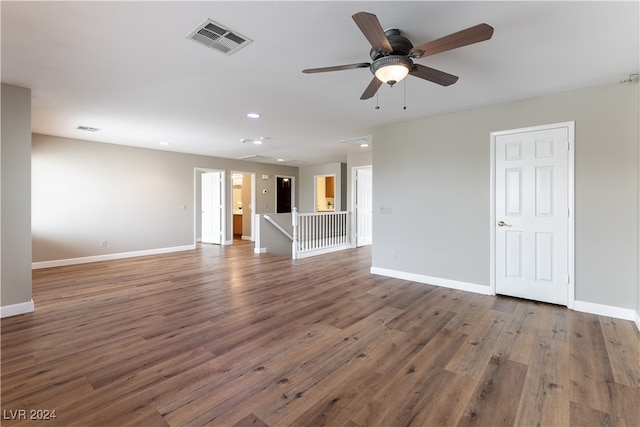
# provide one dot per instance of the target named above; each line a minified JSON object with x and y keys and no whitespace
{"x":85,"y":192}
{"x":434,"y":175}
{"x":15,"y":153}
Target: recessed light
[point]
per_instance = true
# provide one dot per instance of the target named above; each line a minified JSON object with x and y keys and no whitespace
{"x":164,"y":143}
{"x":253,"y":115}
{"x":364,"y":145}
{"x":257,"y":141}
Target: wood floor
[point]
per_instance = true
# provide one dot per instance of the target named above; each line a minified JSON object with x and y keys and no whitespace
{"x":221,"y":336}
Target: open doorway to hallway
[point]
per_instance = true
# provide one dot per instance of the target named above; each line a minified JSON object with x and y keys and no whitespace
{"x":242,"y":205}
{"x":285,"y":190}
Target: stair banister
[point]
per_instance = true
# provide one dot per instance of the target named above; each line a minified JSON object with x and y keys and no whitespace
{"x":294,"y":242}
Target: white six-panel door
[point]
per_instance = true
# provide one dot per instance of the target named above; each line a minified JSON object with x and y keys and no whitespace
{"x":532,"y":200}
{"x":212,"y":207}
{"x":364,"y":206}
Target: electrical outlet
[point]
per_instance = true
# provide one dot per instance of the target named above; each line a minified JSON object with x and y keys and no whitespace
{"x":103,"y":243}
{"x":385,"y":210}
{"x":394,"y":255}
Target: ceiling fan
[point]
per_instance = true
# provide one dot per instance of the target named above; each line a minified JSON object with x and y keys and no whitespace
{"x":393,"y":54}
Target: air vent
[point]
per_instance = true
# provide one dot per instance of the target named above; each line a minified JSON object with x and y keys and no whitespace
{"x":275,"y":160}
{"x":256,"y":158}
{"x":88,"y":129}
{"x":362,"y":141}
{"x":218,"y":37}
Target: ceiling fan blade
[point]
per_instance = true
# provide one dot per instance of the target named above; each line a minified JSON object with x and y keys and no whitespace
{"x":372,"y":30}
{"x":433,"y":75}
{"x":466,"y":37}
{"x":337,"y":68}
{"x":371,"y":90}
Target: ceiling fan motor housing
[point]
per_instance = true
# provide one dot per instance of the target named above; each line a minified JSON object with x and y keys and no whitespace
{"x":399,"y":43}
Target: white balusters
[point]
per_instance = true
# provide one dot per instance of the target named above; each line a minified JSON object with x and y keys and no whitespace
{"x":315,"y":233}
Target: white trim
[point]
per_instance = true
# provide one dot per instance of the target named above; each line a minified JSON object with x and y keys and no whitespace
{"x":354,"y":199}
{"x":637,"y":313}
{"x":315,"y":191}
{"x":109,"y":257}
{"x":252,"y":206}
{"x":307,"y":254}
{"x":571,"y":287}
{"x":16,"y":309}
{"x":582,"y":306}
{"x":259,"y":250}
{"x":436,"y":281}
{"x":606,"y":310}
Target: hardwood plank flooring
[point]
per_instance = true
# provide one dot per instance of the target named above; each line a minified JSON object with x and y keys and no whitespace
{"x":221,"y":336}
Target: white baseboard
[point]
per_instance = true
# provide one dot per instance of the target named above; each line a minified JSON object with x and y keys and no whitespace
{"x":108,"y":257}
{"x":259,"y":250}
{"x":437,"y":281}
{"x":583,"y":306}
{"x":16,"y":309}
{"x":606,"y":310}
{"x":243,"y":237}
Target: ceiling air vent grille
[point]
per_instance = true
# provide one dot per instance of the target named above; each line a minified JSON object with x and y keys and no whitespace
{"x":218,"y":37}
{"x":88,"y":128}
{"x":263,"y":159}
{"x":362,"y":141}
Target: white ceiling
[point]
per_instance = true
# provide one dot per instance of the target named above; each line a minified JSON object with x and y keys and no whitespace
{"x":128,"y":69}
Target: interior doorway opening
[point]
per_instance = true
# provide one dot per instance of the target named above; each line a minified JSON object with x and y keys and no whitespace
{"x":242,"y":205}
{"x":325,"y":193}
{"x":285,"y":187}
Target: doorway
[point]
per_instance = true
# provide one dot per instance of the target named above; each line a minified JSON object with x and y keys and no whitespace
{"x":284,"y":193}
{"x":243,"y":200}
{"x":532,"y":243}
{"x":325,"y":193}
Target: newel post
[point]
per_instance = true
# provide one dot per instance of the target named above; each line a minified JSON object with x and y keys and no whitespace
{"x":294,"y":242}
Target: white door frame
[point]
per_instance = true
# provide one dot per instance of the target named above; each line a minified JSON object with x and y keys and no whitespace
{"x":253,"y":199}
{"x":197,"y":196}
{"x":354,"y":200}
{"x":315,"y":190}
{"x":571,"y":203}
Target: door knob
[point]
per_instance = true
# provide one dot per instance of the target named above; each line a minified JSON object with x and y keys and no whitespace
{"x":503,"y":224}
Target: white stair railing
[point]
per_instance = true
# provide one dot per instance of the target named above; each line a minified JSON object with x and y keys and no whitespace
{"x":318,"y":233}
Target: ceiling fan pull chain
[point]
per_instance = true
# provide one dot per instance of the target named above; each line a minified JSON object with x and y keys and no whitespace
{"x":377,"y":103}
{"x":405,"y":94}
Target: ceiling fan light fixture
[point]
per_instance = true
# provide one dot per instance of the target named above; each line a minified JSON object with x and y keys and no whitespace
{"x":391,"y":69}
